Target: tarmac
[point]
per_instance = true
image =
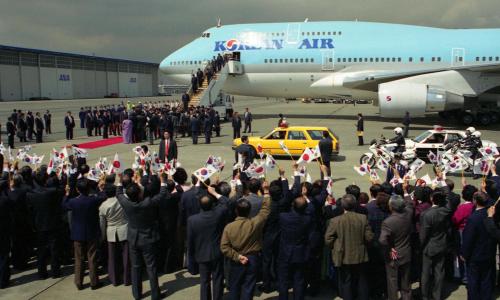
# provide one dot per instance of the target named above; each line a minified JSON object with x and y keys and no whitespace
{"x":340,"y":118}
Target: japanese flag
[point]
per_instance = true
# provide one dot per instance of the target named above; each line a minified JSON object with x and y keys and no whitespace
{"x":63,"y":155}
{"x":382,"y":165}
{"x":270,"y":163}
{"x":256,"y":170}
{"x":284,"y":147}
{"x":115,"y":166}
{"x":260,"y":151}
{"x":50,"y":166}
{"x":417,"y":165}
{"x":307,"y":156}
{"x":489,"y":152}
{"x":362,"y":170}
{"x":482,"y":167}
{"x":204,"y":173}
{"x":433,"y":158}
{"x":329,"y":187}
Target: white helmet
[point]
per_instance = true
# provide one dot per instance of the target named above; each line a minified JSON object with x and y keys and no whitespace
{"x":470,"y":129}
{"x":398,"y":130}
{"x":476,"y":134}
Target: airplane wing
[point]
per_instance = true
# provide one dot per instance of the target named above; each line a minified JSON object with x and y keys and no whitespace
{"x":361,"y":78}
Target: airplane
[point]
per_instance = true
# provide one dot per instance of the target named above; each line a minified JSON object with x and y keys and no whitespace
{"x":402,"y":68}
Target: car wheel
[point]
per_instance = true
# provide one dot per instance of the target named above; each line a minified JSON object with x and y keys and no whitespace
{"x":494,"y":117}
{"x":467,"y":119}
{"x":484,"y":119}
{"x":368,"y":160}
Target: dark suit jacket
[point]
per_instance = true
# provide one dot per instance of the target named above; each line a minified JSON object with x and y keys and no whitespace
{"x":69,"y":122}
{"x":143,"y":225}
{"x":84,"y":216}
{"x":434,"y":223}
{"x":396,"y":232}
{"x":6,"y":222}
{"x":172,"y":150}
{"x":325,"y":147}
{"x":45,"y":207}
{"x":190,"y":203}
{"x":236,"y":123}
{"x":204,"y":231}
{"x":360,"y":126}
{"x":477,"y":243}
{"x":195,"y":125}
{"x":295,"y":229}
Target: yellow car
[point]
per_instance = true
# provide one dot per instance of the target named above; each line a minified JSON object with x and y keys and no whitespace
{"x":296,"y":139}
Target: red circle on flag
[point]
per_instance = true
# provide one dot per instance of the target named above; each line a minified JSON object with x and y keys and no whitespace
{"x":259,"y":148}
{"x":259,"y":169}
{"x":362,"y":169}
{"x":116,"y":164}
{"x":306,"y":157}
{"x":204,"y":172}
{"x":488,"y":151}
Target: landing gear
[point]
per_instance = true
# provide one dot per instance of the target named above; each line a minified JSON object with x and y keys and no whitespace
{"x":484,"y":119}
{"x":467,"y":118}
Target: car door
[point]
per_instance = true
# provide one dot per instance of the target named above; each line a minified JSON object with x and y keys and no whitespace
{"x":271,"y":142}
{"x":432,"y":143}
{"x":296,"y":141}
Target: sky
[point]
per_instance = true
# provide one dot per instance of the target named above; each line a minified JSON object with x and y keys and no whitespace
{"x":149,"y":30}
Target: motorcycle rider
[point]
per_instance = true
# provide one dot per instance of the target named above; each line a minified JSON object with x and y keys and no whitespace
{"x":399,"y":140}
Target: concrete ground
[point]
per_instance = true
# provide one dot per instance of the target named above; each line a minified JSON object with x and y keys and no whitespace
{"x":341,"y":118}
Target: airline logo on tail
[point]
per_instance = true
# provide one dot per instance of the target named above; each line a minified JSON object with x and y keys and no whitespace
{"x":234,"y":44}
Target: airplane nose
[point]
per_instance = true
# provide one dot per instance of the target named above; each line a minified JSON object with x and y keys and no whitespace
{"x":164,"y":66}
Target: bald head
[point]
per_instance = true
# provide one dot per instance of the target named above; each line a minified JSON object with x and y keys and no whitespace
{"x":300,"y":204}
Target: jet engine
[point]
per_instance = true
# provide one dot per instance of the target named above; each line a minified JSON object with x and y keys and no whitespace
{"x":396,"y":98}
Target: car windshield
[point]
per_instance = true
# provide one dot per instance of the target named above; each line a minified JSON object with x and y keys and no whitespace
{"x":315,"y":134}
{"x":422,"y":136}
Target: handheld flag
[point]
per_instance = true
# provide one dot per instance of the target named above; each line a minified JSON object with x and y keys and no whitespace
{"x":417,"y":165}
{"x":204,"y":173}
{"x":285,"y":148}
{"x":382,"y":164}
{"x":489,"y":152}
{"x":307,"y":156}
{"x":270,"y":163}
{"x":260,"y":151}
{"x":433,"y":158}
{"x":115,"y":166}
{"x":362,"y":170}
{"x":482,"y":167}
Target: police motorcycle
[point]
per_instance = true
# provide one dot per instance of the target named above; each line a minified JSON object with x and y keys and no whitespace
{"x":384,"y":149}
{"x":465,"y":150}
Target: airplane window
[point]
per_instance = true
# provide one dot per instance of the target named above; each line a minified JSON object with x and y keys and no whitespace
{"x":330,"y":59}
{"x":303,"y":33}
{"x":318,"y":33}
{"x":349,"y":59}
{"x":307,"y":60}
{"x":324,"y":33}
{"x":286,"y":60}
{"x":439,"y":58}
{"x":208,"y":35}
{"x":484,"y":58}
{"x":312,"y":60}
{"x":334,"y":33}
{"x":343,"y":59}
{"x":296,"y":60}
{"x":191,"y":62}
{"x":433,"y":58}
{"x":308,"y":33}
{"x":340,"y":32}
{"x":301,"y":60}
{"x":496,"y":58}
{"x":459,"y":59}
{"x":382,"y":59}
{"x":388,"y":59}
{"x":265,"y":61}
{"x":360,"y":59}
{"x":477,"y":58}
{"x":282,"y":34}
{"x":491,"y":58}
{"x":376,"y":59}
{"x":393,"y":59}
{"x":329,"y":33}
{"x":338,"y":59}
{"x":355,"y":60}
{"x":399,"y":59}
{"x":371,"y":59}
{"x":366,"y":59}
{"x":281,"y":60}
{"x":312,"y":33}
{"x":422,"y":59}
{"x":275,"y":60}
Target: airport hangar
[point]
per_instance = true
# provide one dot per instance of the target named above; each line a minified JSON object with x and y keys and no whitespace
{"x":38,"y":74}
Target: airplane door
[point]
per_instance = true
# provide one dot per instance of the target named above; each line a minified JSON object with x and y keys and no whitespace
{"x":328,"y":60}
{"x":457,"y":57}
{"x":293,"y":33}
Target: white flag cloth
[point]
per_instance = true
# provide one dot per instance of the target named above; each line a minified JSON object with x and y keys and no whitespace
{"x":329,"y":187}
{"x":216,"y":162}
{"x":374,"y":175}
{"x":260,"y":151}
{"x":284,"y":147}
{"x":427,"y":179}
{"x":93,"y":175}
{"x":102,"y":164}
{"x":433,"y":158}
{"x":204,"y":173}
{"x":417,"y":165}
{"x":169,"y":167}
{"x":79,"y":152}
{"x":307,"y":156}
{"x":489,"y":152}
{"x":382,"y":164}
{"x":2,"y":149}
{"x":270,"y":163}
{"x":482,"y":166}
{"x":50,"y":166}
{"x":454,"y":166}
{"x":37,"y":160}
{"x":362,"y":170}
{"x":11,"y":156}
{"x":256,"y":170}
{"x":309,"y":178}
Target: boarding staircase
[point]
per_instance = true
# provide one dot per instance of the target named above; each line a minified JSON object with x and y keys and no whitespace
{"x":208,"y":92}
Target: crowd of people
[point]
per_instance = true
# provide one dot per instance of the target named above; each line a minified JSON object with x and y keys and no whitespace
{"x":365,"y":244}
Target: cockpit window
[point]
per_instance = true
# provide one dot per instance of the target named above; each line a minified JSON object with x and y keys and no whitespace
{"x":205,"y":34}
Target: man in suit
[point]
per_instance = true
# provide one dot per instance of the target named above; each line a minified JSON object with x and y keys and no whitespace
{"x":254,"y":187}
{"x":142,"y":233}
{"x":168,"y":148}
{"x":11,"y":132}
{"x":85,"y":230}
{"x":395,"y":240}
{"x":82,"y":114}
{"x":204,"y":231}
{"x":406,"y":124}
{"x":479,"y":249}
{"x":30,"y":123}
{"x":360,"y":127}
{"x":248,"y":121}
{"x":69,"y":122}
{"x":185,"y":101}
{"x":45,"y":206}
{"x":396,"y":169}
{"x":293,"y":255}
{"x":434,"y":243}
{"x":47,"y":117}
{"x":326,"y":148}
{"x":114,"y":228}
{"x":39,"y":128}
{"x":347,"y":235}
{"x":89,"y":122}
{"x":236,"y":123}
{"x":207,"y":127}
{"x":6,"y":232}
{"x":242,"y":242}
{"x":195,"y":128}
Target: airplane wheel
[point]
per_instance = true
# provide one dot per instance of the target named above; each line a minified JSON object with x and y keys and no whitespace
{"x":467,"y":118}
{"x":494,"y":117}
{"x":365,"y":159}
{"x":484,"y":119}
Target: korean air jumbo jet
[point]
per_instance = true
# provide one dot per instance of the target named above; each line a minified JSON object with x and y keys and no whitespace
{"x":401,"y":67}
